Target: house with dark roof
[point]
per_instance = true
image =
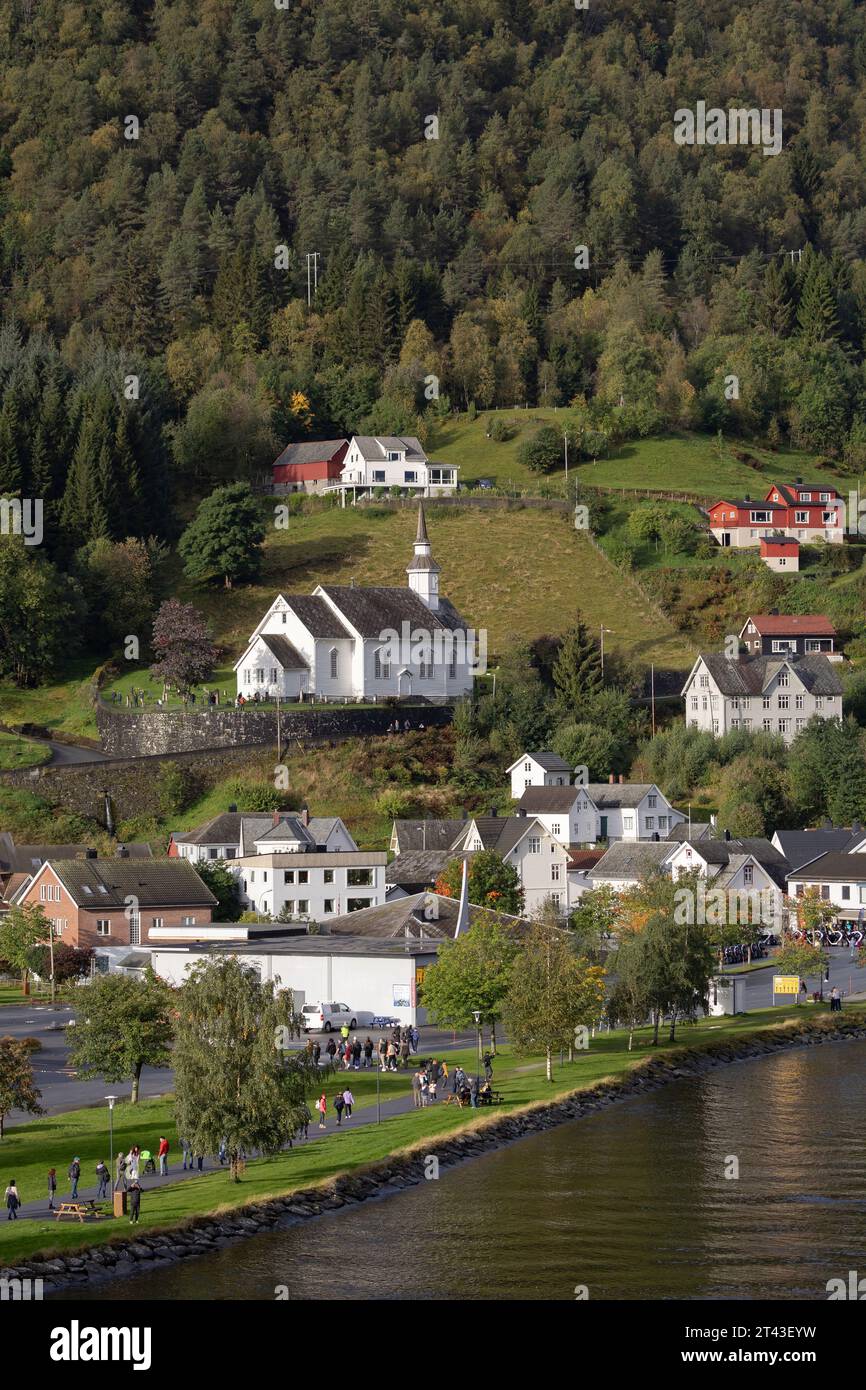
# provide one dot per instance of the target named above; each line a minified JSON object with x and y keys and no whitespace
{"x":115,"y":902}
{"x":351,"y":643}
{"x":18,"y":863}
{"x":233,"y":834}
{"x":311,"y":466}
{"x":838,"y":879}
{"x":430,"y":833}
{"x":585,"y":813}
{"x":775,"y":694}
{"x":804,"y":634}
{"x":804,"y":846}
{"x":394,"y":461}
{"x":779,"y":552}
{"x":544,"y":769}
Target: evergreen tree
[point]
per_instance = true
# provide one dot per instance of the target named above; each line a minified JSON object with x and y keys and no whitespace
{"x":577,"y":675}
{"x":224,"y":541}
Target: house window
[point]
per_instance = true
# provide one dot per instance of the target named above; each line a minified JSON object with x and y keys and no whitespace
{"x":452,"y":666}
{"x":303,"y":875}
{"x":663,"y":822}
{"x":410,"y":476}
{"x":425,"y":670}
{"x":157,"y":921}
{"x":333,"y":663}
{"x":801,"y":518}
{"x":825,"y":891}
{"x":260,"y":675}
{"x":783,"y":677}
{"x":534,"y":844}
{"x":356,"y":904}
{"x":303,"y":905}
{"x":783,"y":701}
{"x":651,"y":802}
{"x":378,"y":475}
{"x":704,"y":682}
{"x":846,"y":892}
{"x":329,"y":905}
{"x":800,"y":702}
{"x":381,"y":669}
{"x":359,"y":878}
{"x":784,"y":644}
{"x":748,"y":873}
{"x":694,"y":702}
{"x":650,"y":822}
{"x":103,"y":926}
{"x":554,"y":873}
{"x":784,"y":725}
{"x":328,"y":876}
{"x":246,"y":677}
{"x":441,"y":476}
{"x":767,"y":725}
{"x":393,"y":456}
{"x":819,"y":702}
{"x":187,"y":921}
{"x":767,"y":702}
{"x":288,"y":875}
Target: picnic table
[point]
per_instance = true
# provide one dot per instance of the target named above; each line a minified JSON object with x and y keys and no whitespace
{"x":80,"y":1211}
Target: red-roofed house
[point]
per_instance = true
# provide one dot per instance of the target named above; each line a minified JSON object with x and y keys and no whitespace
{"x":772,"y":634}
{"x":311,"y":466}
{"x":801,"y":511}
{"x":780,"y":553}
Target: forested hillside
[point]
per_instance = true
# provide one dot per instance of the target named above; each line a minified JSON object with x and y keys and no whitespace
{"x":264,"y":135}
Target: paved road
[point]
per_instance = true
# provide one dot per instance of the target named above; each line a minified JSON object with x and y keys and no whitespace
{"x":843,"y":973}
{"x":62,"y":1090}
{"x":65,"y":753}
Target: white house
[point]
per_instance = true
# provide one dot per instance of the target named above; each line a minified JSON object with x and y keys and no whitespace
{"x":394,"y":461}
{"x":627,"y":862}
{"x":631,"y":810}
{"x":542,"y":862}
{"x":348,"y":643}
{"x":542,"y":769}
{"x":777,"y":694}
{"x":308,"y":884}
{"x":234,"y":834}
{"x":567,"y":813}
{"x":746,"y":866}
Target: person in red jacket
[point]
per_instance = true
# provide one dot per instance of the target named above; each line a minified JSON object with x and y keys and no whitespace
{"x":162,"y":1155}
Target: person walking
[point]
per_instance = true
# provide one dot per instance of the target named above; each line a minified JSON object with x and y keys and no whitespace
{"x":132,"y":1161}
{"x":331,"y":1049}
{"x":356,"y":1053}
{"x":13,"y":1201}
{"x":404,"y":1052}
{"x":322,"y":1106}
{"x":835,"y":999}
{"x":120,"y":1172}
{"x":349,"y":1101}
{"x":443,"y":1073}
{"x":416,"y":1090}
{"x":473,"y":1092}
{"x":186,"y":1149}
{"x":382,"y":1049}
{"x":317,"y":1052}
{"x":306,"y":1116}
{"x":52,"y":1187}
{"x":344,"y":1033}
{"x":392,"y":1055}
{"x":162,"y":1155}
{"x":423,"y":1079}
{"x":222,"y":1153}
{"x":487,"y":1063}
{"x":134,"y":1202}
{"x":74,"y":1175}
{"x":431,"y":1088}
{"x":103,"y":1178}
{"x":415,"y":1038}
{"x":199,"y":1159}
{"x":368,"y":1051}
{"x":338,"y":1106}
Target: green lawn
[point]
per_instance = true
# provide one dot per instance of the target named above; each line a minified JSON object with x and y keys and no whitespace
{"x":63,"y":707}
{"x":21,"y":752}
{"x":29,"y":1150}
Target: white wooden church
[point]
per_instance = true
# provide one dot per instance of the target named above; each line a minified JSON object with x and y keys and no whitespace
{"x":361,"y":644}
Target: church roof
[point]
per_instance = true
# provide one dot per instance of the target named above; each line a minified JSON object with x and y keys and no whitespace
{"x":372,"y":610}
{"x":282,"y":650}
{"x":317,"y":616}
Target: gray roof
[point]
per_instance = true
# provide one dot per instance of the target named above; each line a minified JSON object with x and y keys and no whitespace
{"x":418,"y":866}
{"x":721,"y":852}
{"x":282,"y":650}
{"x":752,"y":675}
{"x":26,"y":859}
{"x":372,"y":610}
{"x":502,"y":833}
{"x":610,"y":795}
{"x":551,"y":762}
{"x":632,"y":859}
{"x":317,"y":616}
{"x":101,"y":883}
{"x":549,"y":800}
{"x":802,"y":846}
{"x":373,"y":449}
{"x":428,"y":834}
{"x":287,"y":828}
{"x":310,"y":451}
{"x":849,"y":868}
{"x":317,"y":945}
{"x":683,"y":832}
{"x":405,"y":918}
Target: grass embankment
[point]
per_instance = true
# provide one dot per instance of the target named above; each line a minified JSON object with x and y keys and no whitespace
{"x":21,"y":752}
{"x":63,"y":707}
{"x":11,"y":994}
{"x":29,"y":1150}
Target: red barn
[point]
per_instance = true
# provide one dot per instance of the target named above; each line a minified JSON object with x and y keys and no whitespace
{"x":311,"y":466}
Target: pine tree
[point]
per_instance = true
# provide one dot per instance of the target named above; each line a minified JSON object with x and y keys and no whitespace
{"x":577,"y":673}
{"x":817,"y":316}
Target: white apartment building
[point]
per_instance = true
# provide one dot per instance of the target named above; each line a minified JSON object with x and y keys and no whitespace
{"x":776,"y":694}
{"x":311,"y":885}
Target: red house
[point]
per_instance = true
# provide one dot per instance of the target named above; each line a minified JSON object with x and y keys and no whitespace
{"x":780,"y":553}
{"x":800,"y":511}
{"x":311,"y":466}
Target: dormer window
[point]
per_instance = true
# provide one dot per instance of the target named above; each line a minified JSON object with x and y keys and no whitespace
{"x":393,"y":456}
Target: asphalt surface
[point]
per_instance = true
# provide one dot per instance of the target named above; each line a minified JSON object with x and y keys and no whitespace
{"x":62,"y":1090}
{"x":843,"y":972}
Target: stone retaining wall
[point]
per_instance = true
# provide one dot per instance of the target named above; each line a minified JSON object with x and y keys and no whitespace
{"x":206,"y":1234}
{"x":142,"y":733}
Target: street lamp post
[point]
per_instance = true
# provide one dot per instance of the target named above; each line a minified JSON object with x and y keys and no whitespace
{"x":111,"y":1100}
{"x":476,"y":1014}
{"x":378,"y":1103}
{"x":603,"y":631}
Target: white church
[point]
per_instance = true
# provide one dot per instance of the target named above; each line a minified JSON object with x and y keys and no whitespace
{"x":348,"y":643}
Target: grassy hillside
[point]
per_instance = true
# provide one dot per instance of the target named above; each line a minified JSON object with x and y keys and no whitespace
{"x":693,"y":463}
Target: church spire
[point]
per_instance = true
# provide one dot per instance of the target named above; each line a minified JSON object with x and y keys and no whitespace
{"x":423,"y":570}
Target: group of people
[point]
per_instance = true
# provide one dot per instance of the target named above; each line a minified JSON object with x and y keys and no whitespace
{"x":353,"y":1055}
{"x":470,"y":1090}
{"x":343,"y":1103}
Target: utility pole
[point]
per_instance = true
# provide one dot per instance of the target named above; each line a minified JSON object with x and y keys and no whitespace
{"x":279,"y":739}
{"x":603,"y":631}
{"x":565,"y":440}
{"x":653,"y":694}
{"x":51,"y":953}
{"x":314,"y":257}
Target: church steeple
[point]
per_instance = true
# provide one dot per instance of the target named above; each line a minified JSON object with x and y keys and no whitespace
{"x":423,"y":570}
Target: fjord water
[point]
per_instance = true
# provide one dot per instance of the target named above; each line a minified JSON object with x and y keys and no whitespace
{"x":632,"y":1202}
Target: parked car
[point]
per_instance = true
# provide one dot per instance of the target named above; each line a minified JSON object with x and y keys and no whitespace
{"x":324,"y":1018}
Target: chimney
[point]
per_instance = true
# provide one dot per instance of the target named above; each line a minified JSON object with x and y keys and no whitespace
{"x":611,"y":779}
{"x":855,"y":827}
{"x":352,"y":582}
{"x":122,"y":852}
{"x":826,"y":823}
{"x":305,"y":815}
{"x":90,"y":854}
{"x":493,"y":812}
{"x":232,"y":808}
{"x":798,"y":480}
{"x":621,"y":779}
{"x":747,"y":498}
{"x":276,"y":817}
{"x":521,"y":811}
{"x":727,"y":834}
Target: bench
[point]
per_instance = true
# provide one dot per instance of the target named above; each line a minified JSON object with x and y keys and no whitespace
{"x":492,"y":1098}
{"x":79,"y":1211}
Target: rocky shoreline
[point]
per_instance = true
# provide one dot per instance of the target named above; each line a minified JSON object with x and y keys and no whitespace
{"x":202,"y":1235}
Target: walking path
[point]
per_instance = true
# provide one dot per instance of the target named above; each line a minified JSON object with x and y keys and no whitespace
{"x":38,"y":1210}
